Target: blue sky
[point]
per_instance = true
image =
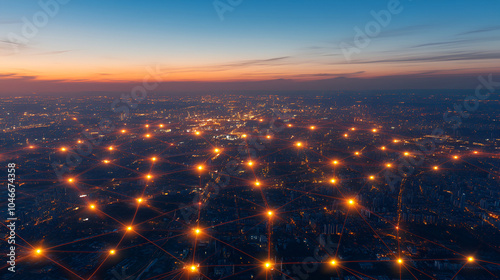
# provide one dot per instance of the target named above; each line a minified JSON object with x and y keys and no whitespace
{"x":113,"y":41}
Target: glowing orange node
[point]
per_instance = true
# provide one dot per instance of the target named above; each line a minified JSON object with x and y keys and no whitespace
{"x":374,"y":130}
{"x":436,"y":167}
{"x":353,"y":128}
{"x":129,"y":228}
{"x":250,"y":163}
{"x":389,"y":165}
{"x":335,"y":162}
{"x":139,"y":200}
{"x":200,"y":167}
{"x":270,"y":213}
{"x":197,"y":231}
{"x":312,"y":127}
{"x":147,"y":125}
{"x":110,"y":148}
{"x":32,"y":147}
{"x":149,"y":176}
{"x":161,"y":125}
{"x":71,"y":180}
{"x":333,"y":262}
{"x":92,"y":206}
{"x":216,"y":150}
{"x":470,"y":259}
{"x":63,"y":149}
{"x":244,"y":136}
{"x":455,"y":157}
{"x":400,"y":261}
{"x":406,"y":154}
{"x":397,"y":228}
{"x":395,"y":141}
{"x":333,"y":181}
{"x":298,"y":144}
{"x":112,"y":252}
{"x":261,"y":120}
{"x":356,"y":153}
{"x":346,"y":135}
{"x":382,"y":148}
{"x":193,"y":268}
{"x":372,"y":177}
{"x":197,"y":133}
{"x":105,"y":161}
{"x":476,"y":152}
{"x":148,"y":135}
{"x":351,"y":201}
{"x":123,"y":131}
{"x":79,"y":141}
{"x":257,"y":183}
{"x":267,"y":265}
{"x":153,"y":159}
{"x":289,"y":125}
{"x":38,"y":251}
{"x":268,"y":136}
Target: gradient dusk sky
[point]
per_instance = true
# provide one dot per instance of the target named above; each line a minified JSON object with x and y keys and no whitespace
{"x":255,"y":45}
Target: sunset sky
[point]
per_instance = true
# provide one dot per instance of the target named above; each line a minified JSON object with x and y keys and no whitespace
{"x":255,"y":45}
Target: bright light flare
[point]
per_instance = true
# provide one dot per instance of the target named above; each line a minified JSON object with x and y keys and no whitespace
{"x":148,"y":135}
{"x":333,"y":180}
{"x":139,"y":200}
{"x":298,"y":144}
{"x":149,"y":176}
{"x":351,"y":201}
{"x":92,"y":206}
{"x":470,"y":259}
{"x":199,"y":167}
{"x":383,"y":148}
{"x":455,"y":157}
{"x":312,"y":127}
{"x":371,"y":177}
{"x":374,"y":130}
{"x":346,"y":135}
{"x":333,"y":262}
{"x":217,"y":150}
{"x":161,"y":125}
{"x":270,"y":213}
{"x":71,"y":180}
{"x":124,"y":131}
{"x":250,"y":163}
{"x":436,"y":167}
{"x":153,"y":159}
{"x":112,"y":252}
{"x":129,"y":228}
{"x":357,"y":153}
{"x":406,"y":154}
{"x":111,"y":148}
{"x":400,"y":261}
{"x":147,"y":125}
{"x":257,"y":183}
{"x":197,"y":231}
{"x":388,"y":165}
{"x":244,"y":136}
{"x":335,"y":162}
{"x":63,"y":149}
{"x":267,"y":265}
{"x":197,"y":133}
{"x":38,"y":251}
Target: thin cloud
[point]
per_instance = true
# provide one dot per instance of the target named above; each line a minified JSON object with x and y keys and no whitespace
{"x":433,"y":58}
{"x":481,"y":30}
